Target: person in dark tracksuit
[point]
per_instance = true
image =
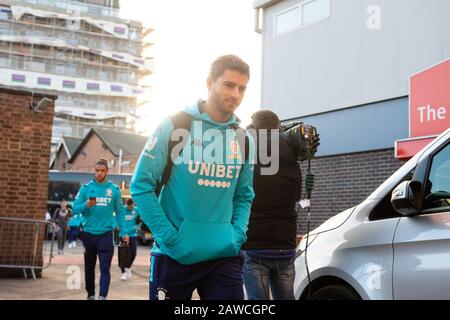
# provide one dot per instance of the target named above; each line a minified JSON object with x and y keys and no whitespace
{"x":271,"y":237}
{"x":74,"y":230}
{"x":132,"y":216}
{"x":97,"y":201}
{"x":200,"y":220}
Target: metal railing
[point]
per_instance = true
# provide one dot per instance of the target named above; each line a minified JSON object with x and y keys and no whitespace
{"x":18,"y":250}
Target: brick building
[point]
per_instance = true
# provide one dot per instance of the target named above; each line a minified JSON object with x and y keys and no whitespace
{"x":25,"y":142}
{"x":345,"y":67}
{"x":64,"y":152}
{"x":122,"y":150}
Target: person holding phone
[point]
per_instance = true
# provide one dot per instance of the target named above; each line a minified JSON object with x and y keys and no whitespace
{"x":97,"y":201}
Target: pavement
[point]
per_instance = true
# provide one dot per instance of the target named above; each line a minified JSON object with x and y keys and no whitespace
{"x":64,"y":278}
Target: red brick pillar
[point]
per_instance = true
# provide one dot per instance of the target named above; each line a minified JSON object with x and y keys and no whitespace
{"x":25,"y":143}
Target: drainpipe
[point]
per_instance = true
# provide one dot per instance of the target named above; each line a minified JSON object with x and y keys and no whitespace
{"x":120,"y":160}
{"x":258,"y":28}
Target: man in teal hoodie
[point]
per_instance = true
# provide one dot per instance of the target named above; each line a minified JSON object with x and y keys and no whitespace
{"x":97,"y":201}
{"x":201,"y":218}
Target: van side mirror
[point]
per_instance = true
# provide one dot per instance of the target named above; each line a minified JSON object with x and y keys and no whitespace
{"x":406,"y":197}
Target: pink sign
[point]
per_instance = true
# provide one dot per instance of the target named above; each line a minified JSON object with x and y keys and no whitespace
{"x":429,"y":101}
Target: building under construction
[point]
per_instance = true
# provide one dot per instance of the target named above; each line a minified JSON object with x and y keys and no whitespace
{"x":81,"y":51}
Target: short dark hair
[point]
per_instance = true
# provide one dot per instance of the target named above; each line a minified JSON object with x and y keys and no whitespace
{"x":103,"y":162}
{"x":265,"y":119}
{"x":228,"y":62}
{"x":130,"y":201}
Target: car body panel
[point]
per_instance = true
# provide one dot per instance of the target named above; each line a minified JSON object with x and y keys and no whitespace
{"x":422,"y":257}
{"x":333,"y":222}
{"x":373,"y":257}
{"x":358,"y":252}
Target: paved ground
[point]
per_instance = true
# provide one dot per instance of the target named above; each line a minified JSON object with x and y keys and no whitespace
{"x":58,"y":280}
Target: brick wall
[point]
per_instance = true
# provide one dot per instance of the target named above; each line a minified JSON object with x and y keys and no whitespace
{"x":133,"y":161}
{"x":343,"y":181}
{"x":25,"y":140}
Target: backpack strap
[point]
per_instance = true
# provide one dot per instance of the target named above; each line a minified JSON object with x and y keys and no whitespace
{"x":243,"y":142}
{"x":180,"y":120}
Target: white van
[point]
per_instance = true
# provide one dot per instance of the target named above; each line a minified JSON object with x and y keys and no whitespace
{"x":394,"y":245}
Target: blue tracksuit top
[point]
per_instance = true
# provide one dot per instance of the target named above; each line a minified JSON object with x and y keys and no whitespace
{"x":202,"y":212}
{"x":100,"y":218}
{"x":130,"y":217}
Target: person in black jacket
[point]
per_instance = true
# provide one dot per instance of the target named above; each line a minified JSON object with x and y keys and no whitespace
{"x":270,"y":248}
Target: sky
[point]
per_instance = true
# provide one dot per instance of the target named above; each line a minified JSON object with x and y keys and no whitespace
{"x":188,"y":36}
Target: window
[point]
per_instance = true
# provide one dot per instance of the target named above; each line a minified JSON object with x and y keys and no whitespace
{"x":315,"y":10}
{"x":92,"y":103}
{"x":58,"y":190}
{"x":91,"y":73}
{"x":4,"y":60}
{"x":71,"y":69}
{"x":287,"y":20}
{"x":59,"y":54}
{"x":17,"y":62}
{"x":35,"y":65}
{"x":5,"y":13}
{"x":119,"y":123}
{"x":133,"y":33}
{"x":5,"y":28}
{"x":303,"y":14}
{"x":105,"y":75}
{"x":123,"y":76}
{"x":102,"y":105}
{"x":107,"y":44}
{"x":60,"y":68}
{"x":437,"y":188}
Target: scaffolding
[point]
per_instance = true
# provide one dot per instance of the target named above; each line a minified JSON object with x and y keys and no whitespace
{"x":55,"y":46}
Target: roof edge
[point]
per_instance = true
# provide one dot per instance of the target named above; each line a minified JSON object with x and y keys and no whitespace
{"x":11,"y":90}
{"x":262,"y":4}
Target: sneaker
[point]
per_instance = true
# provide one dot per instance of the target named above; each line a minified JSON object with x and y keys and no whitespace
{"x":91,"y":298}
{"x":74,"y":244}
{"x":70,"y":245}
{"x":124,"y":276}
{"x":101,"y":298}
{"x":128,"y":272}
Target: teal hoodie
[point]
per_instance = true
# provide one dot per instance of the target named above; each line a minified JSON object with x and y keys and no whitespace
{"x":130,"y":217}
{"x":100,"y":218}
{"x":203,"y":210}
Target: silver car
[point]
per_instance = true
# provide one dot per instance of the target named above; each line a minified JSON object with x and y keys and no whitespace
{"x":394,"y":245}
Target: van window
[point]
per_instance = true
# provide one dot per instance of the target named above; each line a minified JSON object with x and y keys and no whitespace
{"x":437,"y":188}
